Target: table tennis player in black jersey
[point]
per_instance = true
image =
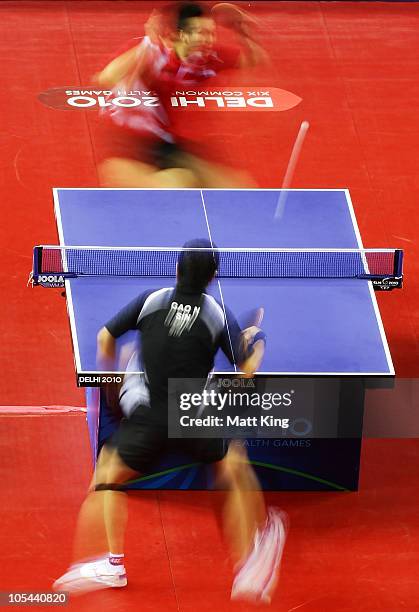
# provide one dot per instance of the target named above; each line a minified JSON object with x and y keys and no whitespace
{"x":181,"y":330}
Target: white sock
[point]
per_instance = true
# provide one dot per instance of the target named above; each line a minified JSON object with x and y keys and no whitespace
{"x":116,"y":559}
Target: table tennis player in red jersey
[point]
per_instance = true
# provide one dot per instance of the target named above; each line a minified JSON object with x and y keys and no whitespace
{"x":180,"y":50}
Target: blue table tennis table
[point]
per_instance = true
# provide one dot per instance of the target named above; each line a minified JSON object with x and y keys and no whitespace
{"x":316,"y":328}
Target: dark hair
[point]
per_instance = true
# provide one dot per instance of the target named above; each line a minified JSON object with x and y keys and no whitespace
{"x":188,"y":10}
{"x":196,"y":268}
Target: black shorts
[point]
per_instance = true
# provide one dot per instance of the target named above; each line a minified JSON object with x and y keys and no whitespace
{"x":118,"y":142}
{"x":141,"y":442}
{"x":166,"y":155}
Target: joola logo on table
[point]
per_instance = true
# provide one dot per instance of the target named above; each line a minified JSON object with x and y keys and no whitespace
{"x":232,"y":98}
{"x":180,"y":318}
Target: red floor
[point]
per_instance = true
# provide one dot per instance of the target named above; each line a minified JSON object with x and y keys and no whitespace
{"x":355,"y":66}
{"x":345,"y":552}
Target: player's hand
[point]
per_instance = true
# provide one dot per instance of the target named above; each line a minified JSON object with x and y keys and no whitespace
{"x":249,"y":333}
{"x":253,"y":361}
{"x":152,"y":27}
{"x":159,"y":28}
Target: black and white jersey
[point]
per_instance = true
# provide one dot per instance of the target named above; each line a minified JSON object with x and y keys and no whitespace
{"x":181,"y":331}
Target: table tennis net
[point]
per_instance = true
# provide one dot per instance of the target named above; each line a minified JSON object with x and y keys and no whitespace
{"x":233,"y":263}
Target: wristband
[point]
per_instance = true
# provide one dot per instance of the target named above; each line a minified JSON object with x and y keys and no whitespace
{"x":260,"y":335}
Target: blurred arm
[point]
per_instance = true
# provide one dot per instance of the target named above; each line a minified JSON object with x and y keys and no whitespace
{"x":139,"y":58}
{"x":119,"y":68}
{"x":105,"y":354}
{"x":123,"y":321}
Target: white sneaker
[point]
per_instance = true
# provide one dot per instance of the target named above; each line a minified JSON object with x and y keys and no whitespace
{"x":256,"y":579}
{"x":84,"y":577}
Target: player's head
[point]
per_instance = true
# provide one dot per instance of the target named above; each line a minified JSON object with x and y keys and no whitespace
{"x":196,"y":28}
{"x":195,"y":268}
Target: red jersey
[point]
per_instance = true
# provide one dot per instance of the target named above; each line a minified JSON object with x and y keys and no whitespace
{"x":163,"y":74}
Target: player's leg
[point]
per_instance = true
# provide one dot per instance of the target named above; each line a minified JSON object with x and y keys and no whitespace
{"x":244,"y":508}
{"x":93,"y":567}
{"x":128,"y":173}
{"x":135,"y":445}
{"x":90,"y":538}
{"x":156,"y":163}
{"x":123,"y":172}
{"x":108,"y":570}
{"x":138,"y":443}
{"x":257,"y":536}
{"x":101,"y":466}
{"x":115,"y":511}
{"x":94,"y":524}
{"x":212,"y":175}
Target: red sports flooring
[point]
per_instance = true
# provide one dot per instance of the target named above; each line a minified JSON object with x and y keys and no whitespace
{"x":346,"y":551}
{"x":355,"y":66}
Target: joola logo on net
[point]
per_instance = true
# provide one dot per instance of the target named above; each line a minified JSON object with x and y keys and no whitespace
{"x":51,"y":280}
